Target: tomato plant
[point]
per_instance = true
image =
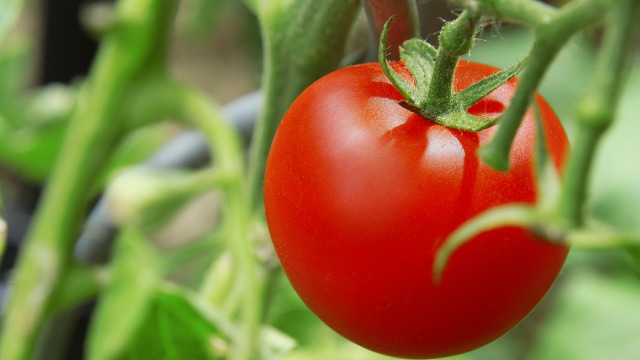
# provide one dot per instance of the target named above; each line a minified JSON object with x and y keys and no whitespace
{"x":360,"y":192}
{"x":414,"y":205}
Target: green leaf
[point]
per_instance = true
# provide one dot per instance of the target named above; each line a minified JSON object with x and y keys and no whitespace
{"x":404,"y":87}
{"x":127,"y":299}
{"x":475,"y":92}
{"x":462,"y":120}
{"x":419,"y":57}
{"x":567,"y":77}
{"x":179,"y":326}
{"x":33,"y":130}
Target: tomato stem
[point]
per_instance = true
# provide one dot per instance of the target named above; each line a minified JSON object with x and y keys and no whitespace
{"x":456,"y":39}
{"x":596,"y":110}
{"x":594,"y":239}
{"x":550,"y":36}
{"x":529,"y":12}
{"x":521,"y":215}
{"x":302,"y":41}
{"x":226,"y":151}
{"x":431,"y":95}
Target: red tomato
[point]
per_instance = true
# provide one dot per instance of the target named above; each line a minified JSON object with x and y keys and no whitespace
{"x":359,"y":194}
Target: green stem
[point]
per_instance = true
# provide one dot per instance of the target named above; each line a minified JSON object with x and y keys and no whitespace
{"x":530,"y":12}
{"x":93,"y":133}
{"x":520,"y":215}
{"x":56,"y":335}
{"x":227,"y":154}
{"x":441,"y":87}
{"x":456,"y":39}
{"x":590,"y":239}
{"x":596,"y":110}
{"x":302,"y":41}
{"x":572,"y":195}
{"x":146,"y":197}
{"x":497,"y":152}
{"x":550,"y":36}
{"x":80,"y":285}
{"x":218,"y":281}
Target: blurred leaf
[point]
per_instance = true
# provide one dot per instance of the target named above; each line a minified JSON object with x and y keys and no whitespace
{"x":33,"y":129}
{"x":178,"y":326}
{"x":127,"y":298}
{"x":596,"y":317}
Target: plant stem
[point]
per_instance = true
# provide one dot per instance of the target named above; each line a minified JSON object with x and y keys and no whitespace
{"x":550,"y":36}
{"x":80,"y":285}
{"x":596,"y":110}
{"x":456,"y":39}
{"x":93,"y":132}
{"x":497,"y":152}
{"x":590,"y":239}
{"x":56,"y":335}
{"x":227,"y":154}
{"x":529,"y":12}
{"x":521,"y":215}
{"x":303,"y":41}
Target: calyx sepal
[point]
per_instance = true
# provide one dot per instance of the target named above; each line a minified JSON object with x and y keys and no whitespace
{"x":420,"y":59}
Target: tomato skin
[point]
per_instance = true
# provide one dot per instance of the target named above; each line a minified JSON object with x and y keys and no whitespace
{"x":359,"y":194}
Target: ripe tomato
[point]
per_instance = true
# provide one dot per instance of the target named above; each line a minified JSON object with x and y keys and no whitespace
{"x":359,"y":194}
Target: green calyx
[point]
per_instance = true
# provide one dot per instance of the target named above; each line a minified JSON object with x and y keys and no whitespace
{"x":431,"y":94}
